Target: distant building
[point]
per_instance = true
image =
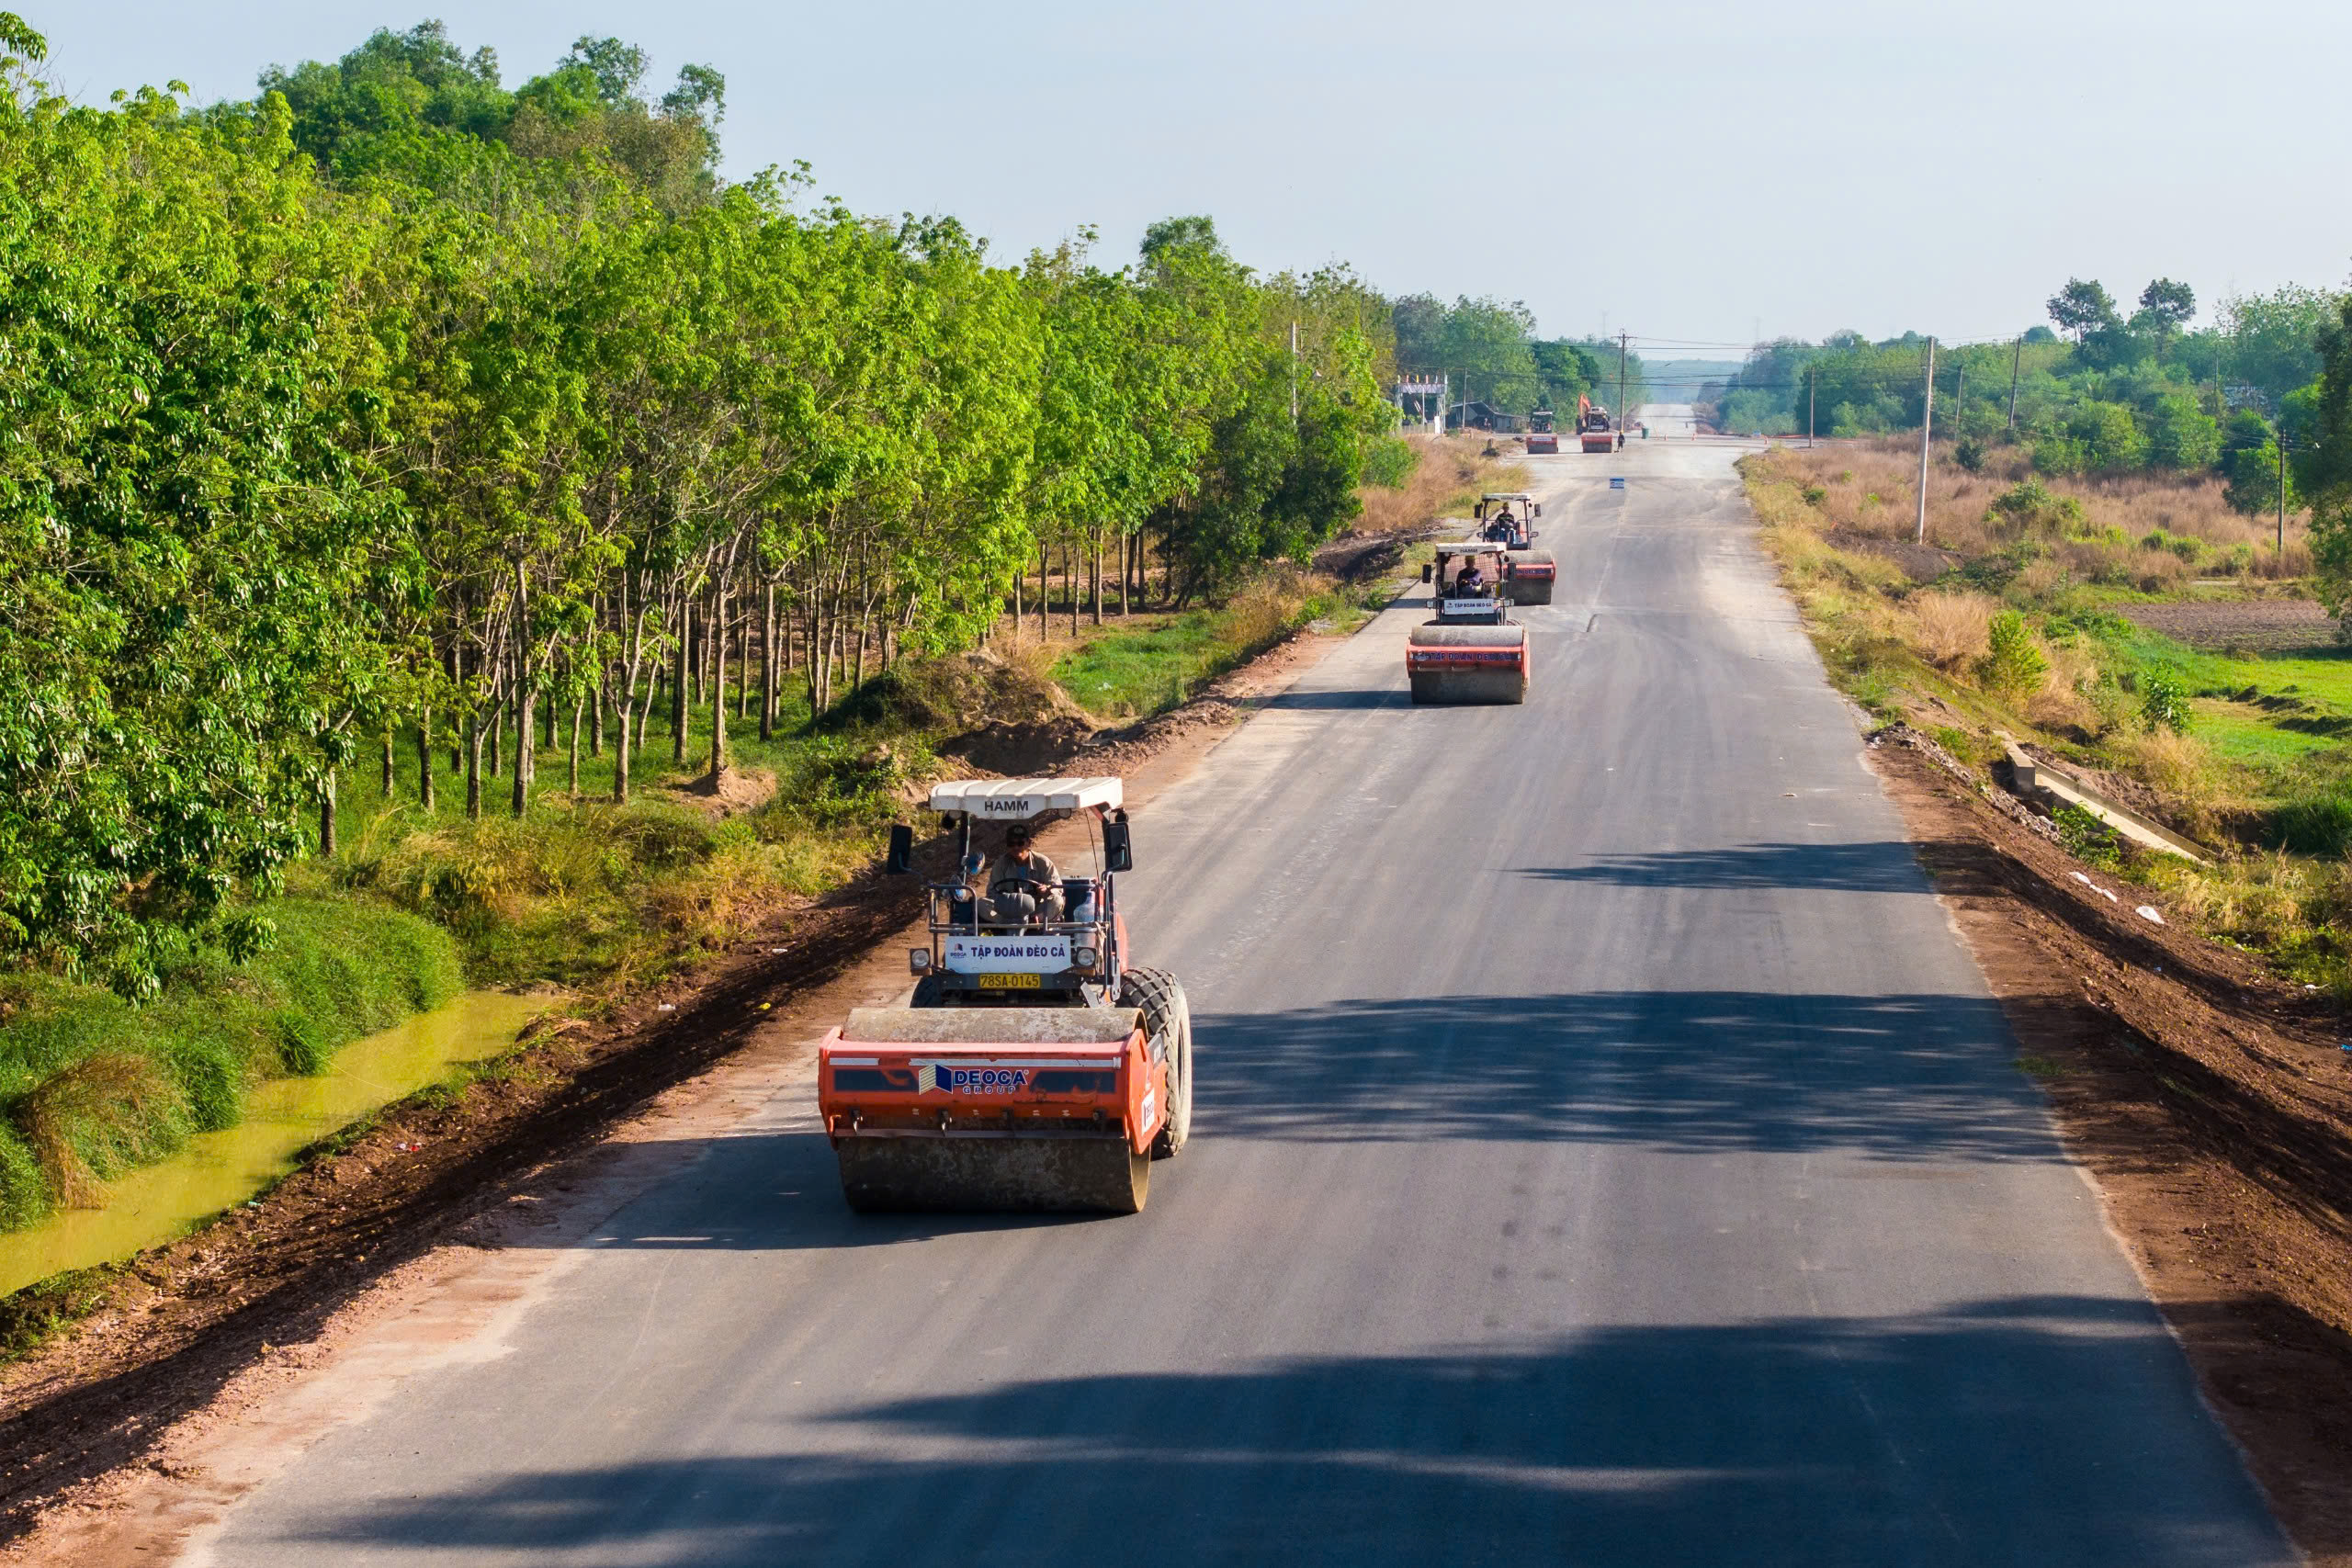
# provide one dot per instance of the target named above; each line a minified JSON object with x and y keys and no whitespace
{"x":1481,"y":416}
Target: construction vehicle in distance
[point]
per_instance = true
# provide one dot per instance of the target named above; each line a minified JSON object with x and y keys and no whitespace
{"x":1471,"y":652}
{"x":1542,"y":439}
{"x":1528,"y":572}
{"x":1034,"y":1066}
{"x":1594,"y":430}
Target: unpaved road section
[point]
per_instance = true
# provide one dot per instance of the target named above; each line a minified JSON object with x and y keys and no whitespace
{"x":1606,"y":1153}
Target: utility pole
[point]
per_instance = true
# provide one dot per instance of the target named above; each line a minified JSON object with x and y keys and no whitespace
{"x":1621,"y":384}
{"x":2016,"y":358}
{"x":1293,"y":376}
{"x":1926,"y":424}
{"x":2283,"y":496}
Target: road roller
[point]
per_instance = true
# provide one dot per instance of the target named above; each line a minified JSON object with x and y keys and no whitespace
{"x":1507,"y":518}
{"x":1034,"y":1065}
{"x":1471,"y":651}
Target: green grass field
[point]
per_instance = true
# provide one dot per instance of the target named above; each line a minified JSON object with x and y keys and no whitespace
{"x":1131,"y":672}
{"x":2268,"y":714}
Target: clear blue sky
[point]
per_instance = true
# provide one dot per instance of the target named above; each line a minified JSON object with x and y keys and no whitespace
{"x":1696,"y":170}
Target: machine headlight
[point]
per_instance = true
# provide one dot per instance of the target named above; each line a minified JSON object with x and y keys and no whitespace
{"x":919,"y":959}
{"x":1084,"y":957}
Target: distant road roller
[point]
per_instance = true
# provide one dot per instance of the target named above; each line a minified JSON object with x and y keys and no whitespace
{"x":1471,"y":652}
{"x":1035,"y":1068}
{"x":1507,"y":518}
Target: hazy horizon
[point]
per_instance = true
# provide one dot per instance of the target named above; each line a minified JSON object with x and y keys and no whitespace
{"x":1699,"y":174}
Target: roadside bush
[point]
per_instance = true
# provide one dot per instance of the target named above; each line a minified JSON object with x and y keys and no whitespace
{"x":2012,"y":665}
{"x":2317,"y":824}
{"x":1389,"y":463}
{"x":2163,"y":701}
{"x":2029,"y":506}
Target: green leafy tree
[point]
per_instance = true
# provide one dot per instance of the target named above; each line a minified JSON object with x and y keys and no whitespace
{"x":2164,"y":308}
{"x":2083,"y":307}
{"x":188,"y":544}
{"x":2270,"y":341}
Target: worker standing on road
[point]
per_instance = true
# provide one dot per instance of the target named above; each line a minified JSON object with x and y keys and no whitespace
{"x":1025,"y":885}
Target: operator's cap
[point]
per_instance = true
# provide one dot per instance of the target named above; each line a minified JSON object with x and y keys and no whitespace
{"x":1016,"y":835}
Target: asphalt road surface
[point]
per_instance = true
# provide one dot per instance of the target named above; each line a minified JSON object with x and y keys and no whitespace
{"x":1606,"y":1154}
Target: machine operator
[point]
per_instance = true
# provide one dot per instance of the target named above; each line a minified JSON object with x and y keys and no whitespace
{"x":1024,"y":885}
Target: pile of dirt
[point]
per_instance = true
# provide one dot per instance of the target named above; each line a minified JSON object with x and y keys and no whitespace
{"x":957,"y":694}
{"x":2210,"y":1099}
{"x":999,"y":716}
{"x":736,"y":790}
{"x":1021,"y":751}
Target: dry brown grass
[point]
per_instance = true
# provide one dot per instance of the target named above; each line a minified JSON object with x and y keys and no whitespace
{"x":1449,"y":477}
{"x":1951,"y":630}
{"x":1871,"y":487}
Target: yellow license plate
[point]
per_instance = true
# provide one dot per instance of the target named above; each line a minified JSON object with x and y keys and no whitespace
{"x":1011,"y":982}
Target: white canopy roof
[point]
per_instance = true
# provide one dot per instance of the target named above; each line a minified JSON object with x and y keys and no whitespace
{"x":1506,"y":495}
{"x":1018,"y":800}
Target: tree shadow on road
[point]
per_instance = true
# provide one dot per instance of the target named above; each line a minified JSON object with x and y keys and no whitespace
{"x":1876,"y":867}
{"x":1910,"y":1078}
{"x":2053,"y":1431}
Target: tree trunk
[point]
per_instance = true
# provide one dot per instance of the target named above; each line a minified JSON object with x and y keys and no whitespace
{"x":767,"y":664}
{"x":742,"y":668}
{"x":597,"y":714}
{"x":700,"y":656}
{"x":678,"y":680}
{"x":1044,"y":583}
{"x":497,"y":728}
{"x":1017,"y":575}
{"x":473,"y":767}
{"x":718,"y":694}
{"x":1069,"y":586}
{"x":424,"y":756}
{"x":457,"y":674}
{"x":526,"y":714}
{"x":620,"y":750}
{"x":1094,"y":575}
{"x":579,"y":713}
{"x":389,"y":742}
{"x":326,"y":816}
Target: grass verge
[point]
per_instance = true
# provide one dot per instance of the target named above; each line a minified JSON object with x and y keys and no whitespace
{"x":94,"y":1087}
{"x":1132,"y":673}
